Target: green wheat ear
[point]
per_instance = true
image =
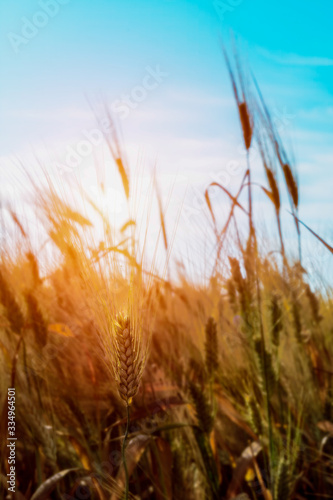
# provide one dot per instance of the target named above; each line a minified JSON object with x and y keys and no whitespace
{"x":254,"y":415}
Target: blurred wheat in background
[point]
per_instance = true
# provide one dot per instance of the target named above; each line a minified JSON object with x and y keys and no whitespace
{"x":230,"y":381}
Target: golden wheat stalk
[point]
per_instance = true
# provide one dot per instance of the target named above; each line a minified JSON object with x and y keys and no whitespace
{"x":128,"y":362}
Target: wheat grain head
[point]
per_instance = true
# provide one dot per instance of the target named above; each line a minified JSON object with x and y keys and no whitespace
{"x":129,"y":356}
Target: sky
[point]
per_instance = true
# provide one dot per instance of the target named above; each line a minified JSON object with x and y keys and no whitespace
{"x":159,"y":66}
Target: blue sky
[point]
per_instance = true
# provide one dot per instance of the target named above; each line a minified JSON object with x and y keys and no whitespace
{"x":85,"y":51}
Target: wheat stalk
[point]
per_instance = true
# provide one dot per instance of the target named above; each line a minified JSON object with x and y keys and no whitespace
{"x":128,"y":363}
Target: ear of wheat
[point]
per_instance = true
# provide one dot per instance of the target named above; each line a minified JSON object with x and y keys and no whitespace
{"x":211,"y":348}
{"x":202,"y":408}
{"x":314,"y":304}
{"x":38,"y":323}
{"x":12,"y":308}
{"x":246,"y":124}
{"x":128,"y":362}
{"x":129,"y":358}
{"x":291,"y":183}
{"x":276,"y":320}
{"x":274,"y":188}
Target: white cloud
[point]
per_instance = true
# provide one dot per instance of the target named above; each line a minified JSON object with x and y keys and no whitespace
{"x":295,"y":59}
{"x":50,"y":115}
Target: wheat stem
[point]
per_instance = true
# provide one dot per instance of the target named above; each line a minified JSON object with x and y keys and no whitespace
{"x":123,"y":448}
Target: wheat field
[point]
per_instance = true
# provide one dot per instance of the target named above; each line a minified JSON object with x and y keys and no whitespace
{"x":130,"y":384}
